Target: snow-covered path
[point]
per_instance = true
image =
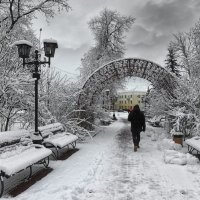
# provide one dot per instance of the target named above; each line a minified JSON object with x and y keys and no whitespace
{"x":107,"y":168}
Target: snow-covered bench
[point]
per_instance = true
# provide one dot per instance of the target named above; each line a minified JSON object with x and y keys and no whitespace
{"x":54,"y":136}
{"x":17,"y":153}
{"x":193,"y":144}
{"x":155,"y":121}
{"x":105,"y":122}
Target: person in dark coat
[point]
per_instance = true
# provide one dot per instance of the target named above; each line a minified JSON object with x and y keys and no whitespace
{"x":137,"y":119}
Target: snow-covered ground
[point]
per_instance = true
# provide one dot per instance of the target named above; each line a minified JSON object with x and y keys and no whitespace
{"x":107,"y":168}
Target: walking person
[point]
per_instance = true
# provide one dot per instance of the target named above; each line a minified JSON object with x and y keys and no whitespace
{"x":137,"y":119}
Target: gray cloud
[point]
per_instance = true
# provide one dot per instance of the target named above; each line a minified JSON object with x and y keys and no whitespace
{"x":156,"y":21}
{"x":168,"y":16}
{"x":68,"y":59}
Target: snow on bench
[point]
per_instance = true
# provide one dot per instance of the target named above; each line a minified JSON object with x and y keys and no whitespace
{"x":17,"y":152}
{"x":54,"y":136}
{"x":193,"y":144}
{"x":105,"y":122}
{"x":155,"y":121}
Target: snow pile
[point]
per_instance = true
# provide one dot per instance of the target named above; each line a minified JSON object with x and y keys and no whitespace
{"x":191,"y":160}
{"x":175,"y":157}
{"x":150,"y":131}
{"x":155,"y":133}
{"x":154,"y":137}
{"x":168,"y":144}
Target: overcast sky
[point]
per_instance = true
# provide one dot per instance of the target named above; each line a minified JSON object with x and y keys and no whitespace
{"x":156,"y":21}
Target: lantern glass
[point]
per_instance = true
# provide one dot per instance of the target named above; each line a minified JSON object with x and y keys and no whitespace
{"x":49,"y":49}
{"x":107,"y":92}
{"x":24,"y":50}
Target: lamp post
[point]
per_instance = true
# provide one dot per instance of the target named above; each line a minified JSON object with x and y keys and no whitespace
{"x":114,"y":99}
{"x":24,"y":48}
{"x":107,"y":93}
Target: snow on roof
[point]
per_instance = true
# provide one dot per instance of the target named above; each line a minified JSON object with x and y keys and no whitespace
{"x":22,"y":42}
{"x":50,"y":40}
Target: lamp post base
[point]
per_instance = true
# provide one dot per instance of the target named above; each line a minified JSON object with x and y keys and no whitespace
{"x":37,"y":138}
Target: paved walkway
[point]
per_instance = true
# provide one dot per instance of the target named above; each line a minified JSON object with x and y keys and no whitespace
{"x":107,"y":168}
{"x":141,"y":175}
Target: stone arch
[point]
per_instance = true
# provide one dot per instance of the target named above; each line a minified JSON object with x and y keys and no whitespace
{"x":159,"y":77}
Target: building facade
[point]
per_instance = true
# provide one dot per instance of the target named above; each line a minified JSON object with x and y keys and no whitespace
{"x":127,"y":100}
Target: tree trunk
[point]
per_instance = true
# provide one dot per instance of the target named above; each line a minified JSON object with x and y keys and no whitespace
{"x":7,"y":122}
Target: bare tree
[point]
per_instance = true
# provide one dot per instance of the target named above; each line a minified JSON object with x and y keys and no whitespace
{"x":182,"y":47}
{"x":109,"y":30}
{"x":14,"y":11}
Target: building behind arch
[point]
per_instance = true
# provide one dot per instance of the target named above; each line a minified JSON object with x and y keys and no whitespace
{"x":128,"y":99}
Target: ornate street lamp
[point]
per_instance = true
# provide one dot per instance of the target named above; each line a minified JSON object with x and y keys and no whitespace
{"x":24,"y":48}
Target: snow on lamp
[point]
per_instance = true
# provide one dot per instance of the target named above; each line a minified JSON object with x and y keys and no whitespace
{"x":49,"y":47}
{"x":107,"y":92}
{"x":24,"y":48}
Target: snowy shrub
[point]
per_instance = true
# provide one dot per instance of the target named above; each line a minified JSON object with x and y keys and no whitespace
{"x":168,"y":144}
{"x":101,"y":114}
{"x":184,"y":121}
{"x":97,"y":122}
{"x":165,"y":144}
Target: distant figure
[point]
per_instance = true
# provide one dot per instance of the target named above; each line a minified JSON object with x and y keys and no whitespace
{"x":114,"y":117}
{"x":137,"y":119}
